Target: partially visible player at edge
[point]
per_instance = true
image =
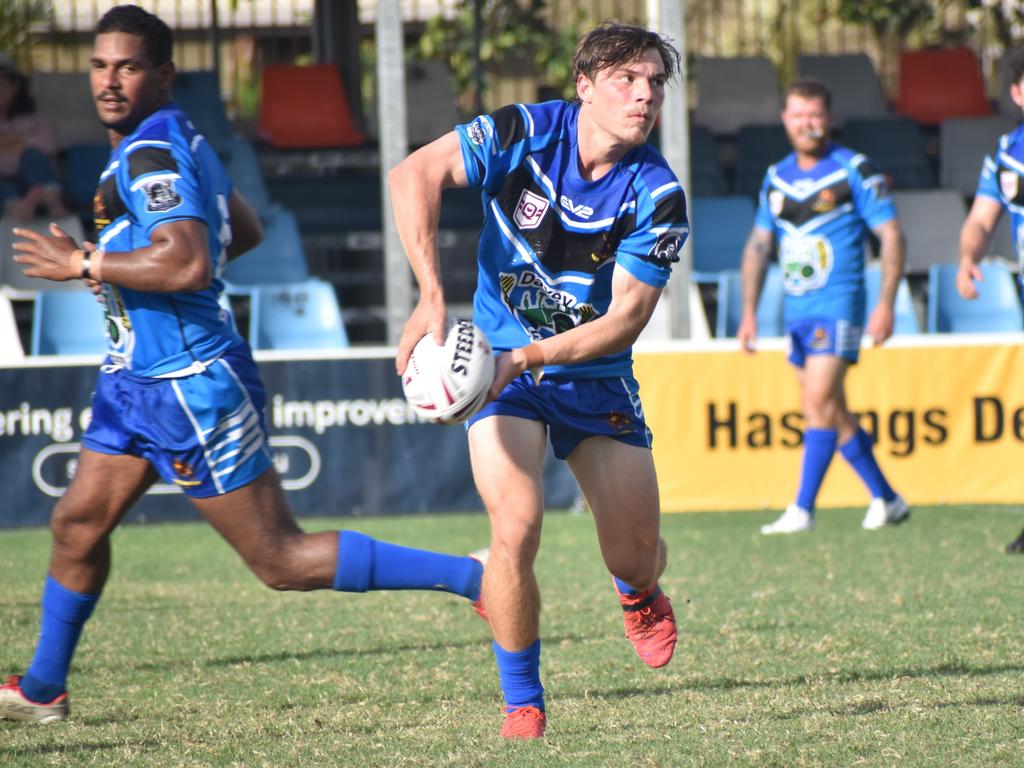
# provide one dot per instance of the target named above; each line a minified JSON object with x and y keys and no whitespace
{"x":817,"y":204}
{"x":1000,"y":187}
{"x":583,"y":221}
{"x":178,"y":396}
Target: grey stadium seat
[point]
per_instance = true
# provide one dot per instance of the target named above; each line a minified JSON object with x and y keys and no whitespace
{"x":963,"y":144}
{"x":931,"y":221}
{"x":731,"y":92}
{"x":856,"y":89}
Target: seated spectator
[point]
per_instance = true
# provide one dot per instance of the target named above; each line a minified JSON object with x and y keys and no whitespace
{"x":28,"y":146}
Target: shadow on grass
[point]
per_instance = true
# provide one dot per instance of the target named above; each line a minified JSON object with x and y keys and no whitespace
{"x":324,"y":653}
{"x":87,"y":748}
{"x":791,"y":681}
{"x":863,"y":708}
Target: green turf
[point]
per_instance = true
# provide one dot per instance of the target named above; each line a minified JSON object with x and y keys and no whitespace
{"x":836,"y":648}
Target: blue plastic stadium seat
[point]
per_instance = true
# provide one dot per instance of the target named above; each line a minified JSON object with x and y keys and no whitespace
{"x":302,"y":315}
{"x":720,"y":229}
{"x":198,"y":95}
{"x":85,"y":164}
{"x":997,"y":307}
{"x":246,"y":175}
{"x":757,"y":147}
{"x":68,"y":323}
{"x":905,"y":317}
{"x":280,"y":258}
{"x":706,"y":176}
{"x":896,"y":146}
{"x":769,"y":306}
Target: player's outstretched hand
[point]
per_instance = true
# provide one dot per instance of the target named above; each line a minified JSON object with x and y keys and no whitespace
{"x":46,"y":256}
{"x":880,"y":324}
{"x":746,"y":334}
{"x":967,"y":278}
{"x":430,"y":316}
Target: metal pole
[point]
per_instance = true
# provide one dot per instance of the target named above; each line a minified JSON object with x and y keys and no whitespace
{"x":667,"y":17}
{"x":215,"y":39}
{"x":394,"y":145}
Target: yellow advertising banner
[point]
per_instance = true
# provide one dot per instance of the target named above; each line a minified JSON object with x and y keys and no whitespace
{"x":947,"y":417}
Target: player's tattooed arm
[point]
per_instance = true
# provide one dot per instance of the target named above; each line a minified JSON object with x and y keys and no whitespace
{"x":890,"y":254}
{"x":756,"y":253}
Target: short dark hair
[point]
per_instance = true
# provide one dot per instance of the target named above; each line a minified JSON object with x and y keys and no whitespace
{"x":133,"y":20}
{"x":1016,"y":68}
{"x":614,"y":43}
{"x":809,"y":88}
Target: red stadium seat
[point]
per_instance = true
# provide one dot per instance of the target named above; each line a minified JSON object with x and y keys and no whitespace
{"x":936,"y":84}
{"x":306,"y":108}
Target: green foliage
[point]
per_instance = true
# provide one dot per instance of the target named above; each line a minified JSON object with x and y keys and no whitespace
{"x":887,"y":16}
{"x":515,"y":36}
{"x":840,"y":647}
{"x":16,"y":19}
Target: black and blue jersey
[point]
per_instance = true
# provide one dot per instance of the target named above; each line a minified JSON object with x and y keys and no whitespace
{"x":820,"y":218}
{"x":164,"y":171}
{"x":551,"y":238}
{"x":1002,"y":179}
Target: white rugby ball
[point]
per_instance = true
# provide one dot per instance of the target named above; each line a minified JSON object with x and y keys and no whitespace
{"x":448,"y":384}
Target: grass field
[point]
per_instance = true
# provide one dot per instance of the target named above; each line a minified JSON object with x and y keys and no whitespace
{"x":835,"y":648}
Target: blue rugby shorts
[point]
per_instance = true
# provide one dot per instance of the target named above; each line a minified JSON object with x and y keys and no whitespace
{"x":205,"y":433}
{"x":575,"y":409}
{"x":837,"y":338}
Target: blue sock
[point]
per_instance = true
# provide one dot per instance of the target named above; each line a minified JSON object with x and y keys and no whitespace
{"x":367,"y":564}
{"x":819,"y":445}
{"x":519,"y":672}
{"x":64,"y":614}
{"x":858,"y":452}
{"x":624,"y":588}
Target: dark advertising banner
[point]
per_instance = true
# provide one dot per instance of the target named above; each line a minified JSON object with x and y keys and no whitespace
{"x":344,"y":442}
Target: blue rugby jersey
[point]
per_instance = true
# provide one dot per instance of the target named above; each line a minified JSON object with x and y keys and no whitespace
{"x":1002,"y":178}
{"x":551,"y":238}
{"x":163,"y":172}
{"x":820,"y":217}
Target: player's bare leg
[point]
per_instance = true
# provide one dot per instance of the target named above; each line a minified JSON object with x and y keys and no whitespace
{"x":103,"y":489}
{"x":507,"y":455}
{"x":621,"y":487}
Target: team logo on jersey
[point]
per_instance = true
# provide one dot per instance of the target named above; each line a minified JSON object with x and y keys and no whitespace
{"x":161,"y":195}
{"x":776,"y":199}
{"x":1009,"y":183}
{"x":806,"y":263}
{"x":541,"y":309}
{"x":478,"y":131}
{"x":666,"y":249}
{"x":530,"y":210}
{"x":100,"y":216}
{"x":825,"y":202}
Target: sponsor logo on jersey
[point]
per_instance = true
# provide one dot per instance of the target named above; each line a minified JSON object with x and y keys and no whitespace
{"x":530,"y":210}
{"x":161,"y":195}
{"x":776,"y":199}
{"x":825,"y":202}
{"x":666,"y":248}
{"x":1009,"y":183}
{"x":880,"y":184}
{"x":581,"y":210}
{"x":541,"y":309}
{"x":100,"y":217}
{"x":806,"y":263}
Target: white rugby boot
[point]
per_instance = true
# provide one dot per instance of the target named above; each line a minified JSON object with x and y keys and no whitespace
{"x":882,"y":513}
{"x":795,"y":519}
